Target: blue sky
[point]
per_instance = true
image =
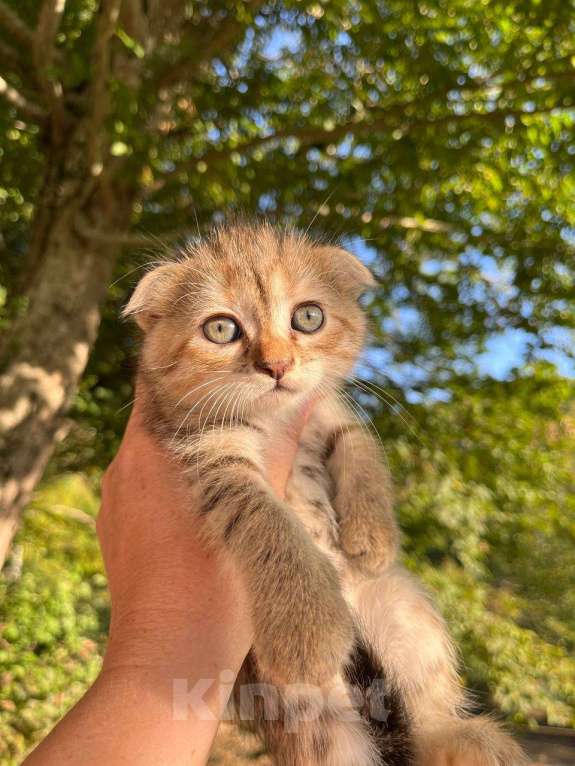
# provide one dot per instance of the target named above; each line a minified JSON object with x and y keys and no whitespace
{"x":503,"y":351}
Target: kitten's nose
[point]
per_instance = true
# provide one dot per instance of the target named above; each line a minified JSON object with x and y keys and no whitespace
{"x":275,"y":368}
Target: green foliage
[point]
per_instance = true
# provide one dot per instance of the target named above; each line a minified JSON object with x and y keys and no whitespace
{"x":53,"y":614}
{"x":487,"y":502}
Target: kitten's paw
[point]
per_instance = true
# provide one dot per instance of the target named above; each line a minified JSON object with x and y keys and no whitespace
{"x":472,"y":742}
{"x":368,"y":542}
{"x":308,"y":632}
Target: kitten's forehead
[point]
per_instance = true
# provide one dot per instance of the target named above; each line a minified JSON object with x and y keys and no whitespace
{"x":259,"y":267}
{"x":257,"y":270}
{"x":263,"y":291}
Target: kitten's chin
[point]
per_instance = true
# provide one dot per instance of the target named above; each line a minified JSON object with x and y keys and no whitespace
{"x":279,"y":392}
{"x":280,"y":396}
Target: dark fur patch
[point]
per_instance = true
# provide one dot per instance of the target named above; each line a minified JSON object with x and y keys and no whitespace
{"x":227,"y":461}
{"x":320,"y":743}
{"x":330,"y":444}
{"x":232,"y":525}
{"x":319,"y":506}
{"x":264,"y":558}
{"x":217,"y":494}
{"x":391,"y":736}
{"x":311,"y":472}
{"x":334,"y":438}
{"x":213,"y":498}
{"x":383,"y":707}
{"x":261,"y":288}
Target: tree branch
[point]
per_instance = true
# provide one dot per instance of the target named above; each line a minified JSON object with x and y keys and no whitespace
{"x":44,"y":54}
{"x":321,"y":136}
{"x":135,"y":240}
{"x":46,"y":30}
{"x":15,"y":27}
{"x":496,"y":114}
{"x":390,"y":118}
{"x":12,"y":60}
{"x":407,"y":222}
{"x":209,"y":45}
{"x":164,"y":16}
{"x":135,"y":21}
{"x":24,"y":105}
{"x":109,"y":14}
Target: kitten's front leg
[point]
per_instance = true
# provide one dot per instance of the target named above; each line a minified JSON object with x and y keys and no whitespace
{"x":368,"y":531}
{"x":303,"y":628}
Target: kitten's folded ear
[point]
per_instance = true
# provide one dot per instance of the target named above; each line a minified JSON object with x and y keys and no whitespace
{"x":350,"y":274}
{"x":152,"y":295}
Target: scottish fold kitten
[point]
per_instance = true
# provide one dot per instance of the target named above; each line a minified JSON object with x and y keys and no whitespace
{"x":353,"y":664}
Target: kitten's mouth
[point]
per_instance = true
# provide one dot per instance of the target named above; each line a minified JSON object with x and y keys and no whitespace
{"x":279,"y":386}
{"x":280,"y":389}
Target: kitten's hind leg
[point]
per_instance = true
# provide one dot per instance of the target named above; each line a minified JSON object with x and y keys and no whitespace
{"x":476,"y":741}
{"x":304,"y":725}
{"x":411,"y":640}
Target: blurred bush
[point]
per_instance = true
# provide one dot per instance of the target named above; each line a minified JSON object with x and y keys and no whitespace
{"x":53,"y":614}
{"x":487,"y":501}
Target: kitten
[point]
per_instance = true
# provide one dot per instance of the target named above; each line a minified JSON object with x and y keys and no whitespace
{"x":241,"y":330}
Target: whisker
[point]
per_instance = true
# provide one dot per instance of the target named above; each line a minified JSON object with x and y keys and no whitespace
{"x":358,"y":408}
{"x":313,"y":220}
{"x":146,"y":265}
{"x":223,"y":420}
{"x":160,"y":367}
{"x":219,"y":394}
{"x":125,"y":406}
{"x":207,"y":396}
{"x":391,"y":406}
{"x":188,"y":415}
{"x":196,"y":388}
{"x":387,"y":394}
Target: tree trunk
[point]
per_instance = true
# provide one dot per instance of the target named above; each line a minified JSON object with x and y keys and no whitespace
{"x":49,"y":344}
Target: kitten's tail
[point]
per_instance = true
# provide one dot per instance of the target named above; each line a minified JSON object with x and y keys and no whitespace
{"x":381,"y":706}
{"x":361,"y":722}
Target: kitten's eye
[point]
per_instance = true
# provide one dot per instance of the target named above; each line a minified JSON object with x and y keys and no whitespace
{"x":222,"y":330}
{"x":307,"y":318}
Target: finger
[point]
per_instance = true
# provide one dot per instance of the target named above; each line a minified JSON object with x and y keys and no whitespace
{"x":137,"y":436}
{"x":300,"y":419}
{"x":280,"y":461}
{"x":136,"y":419}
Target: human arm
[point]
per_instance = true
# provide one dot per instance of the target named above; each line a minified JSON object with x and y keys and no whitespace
{"x":178,"y":612}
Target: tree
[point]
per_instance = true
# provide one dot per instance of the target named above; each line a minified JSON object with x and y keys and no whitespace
{"x":442,"y":135}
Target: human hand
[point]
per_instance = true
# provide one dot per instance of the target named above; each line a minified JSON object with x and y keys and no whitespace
{"x":173,"y":602}
{"x":179,"y":613}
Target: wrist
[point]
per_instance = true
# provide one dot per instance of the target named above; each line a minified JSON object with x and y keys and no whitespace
{"x":135,"y":715}
{"x":201,"y":624}
{"x":184,"y":698}
{"x":174,"y":640}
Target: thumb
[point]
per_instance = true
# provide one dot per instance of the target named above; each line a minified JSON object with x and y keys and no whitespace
{"x":282,"y":452}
